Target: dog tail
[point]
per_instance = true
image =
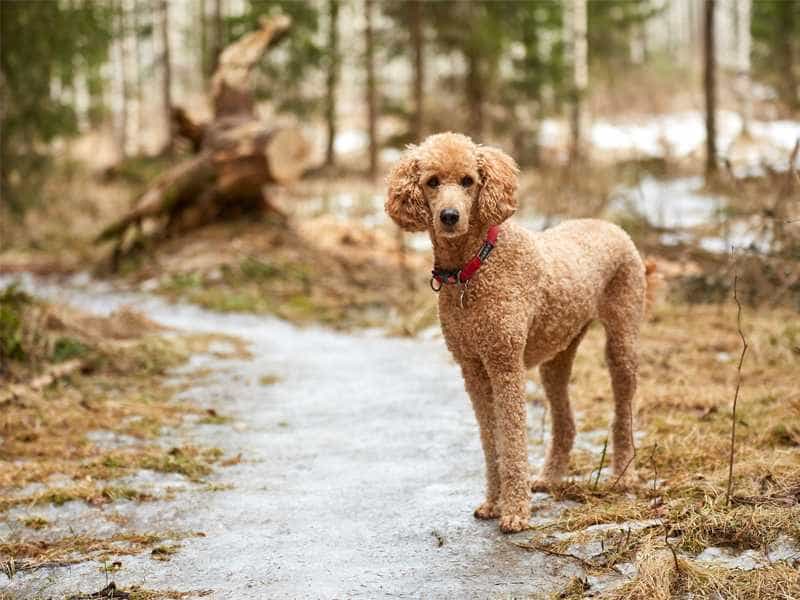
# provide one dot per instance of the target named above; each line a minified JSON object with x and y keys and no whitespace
{"x":653,"y":284}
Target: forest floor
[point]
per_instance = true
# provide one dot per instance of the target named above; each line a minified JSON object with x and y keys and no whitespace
{"x":151,"y":463}
{"x":241,"y":473}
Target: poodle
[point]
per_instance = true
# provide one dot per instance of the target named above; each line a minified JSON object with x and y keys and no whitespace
{"x":510,"y":299}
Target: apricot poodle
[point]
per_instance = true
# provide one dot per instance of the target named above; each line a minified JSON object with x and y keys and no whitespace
{"x":510,"y":299}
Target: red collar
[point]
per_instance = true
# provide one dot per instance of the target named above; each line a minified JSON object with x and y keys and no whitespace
{"x":464,"y":274}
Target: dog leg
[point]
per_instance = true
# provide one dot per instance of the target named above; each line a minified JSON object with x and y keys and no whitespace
{"x":622,"y":359}
{"x":555,"y":375}
{"x":511,"y":439}
{"x":480,"y":393}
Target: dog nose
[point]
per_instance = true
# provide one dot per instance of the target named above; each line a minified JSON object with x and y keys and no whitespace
{"x":449,"y":216}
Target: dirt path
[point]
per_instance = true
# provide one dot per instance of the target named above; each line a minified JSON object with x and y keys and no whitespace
{"x":360,"y":469}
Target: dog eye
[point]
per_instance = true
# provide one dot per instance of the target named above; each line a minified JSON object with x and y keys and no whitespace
{"x":433,"y":182}
{"x":467,"y":181}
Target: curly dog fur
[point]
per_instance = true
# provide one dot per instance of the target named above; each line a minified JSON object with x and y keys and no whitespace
{"x":529,"y":304}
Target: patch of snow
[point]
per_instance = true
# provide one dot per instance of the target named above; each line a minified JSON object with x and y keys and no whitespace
{"x":109,"y":440}
{"x":350,"y":140}
{"x":782,"y":549}
{"x":669,"y":204}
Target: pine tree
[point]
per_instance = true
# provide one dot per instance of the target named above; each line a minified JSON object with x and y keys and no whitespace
{"x":69,"y":38}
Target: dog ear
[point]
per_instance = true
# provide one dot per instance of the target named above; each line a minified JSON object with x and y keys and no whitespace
{"x":498,"y":196}
{"x":405,"y":202}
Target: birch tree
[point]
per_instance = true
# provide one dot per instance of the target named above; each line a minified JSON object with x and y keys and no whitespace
{"x":166,"y":74}
{"x":710,"y":87}
{"x":372,"y":109}
{"x":137,"y":51}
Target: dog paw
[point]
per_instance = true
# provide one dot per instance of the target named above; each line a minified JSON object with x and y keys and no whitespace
{"x":487,"y":510}
{"x":541,"y":485}
{"x":513,"y":523}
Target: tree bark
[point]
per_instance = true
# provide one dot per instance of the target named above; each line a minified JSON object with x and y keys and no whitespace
{"x":418,"y":45}
{"x":332,"y":81}
{"x":372,"y":109}
{"x":710,"y":85}
{"x":166,"y":74}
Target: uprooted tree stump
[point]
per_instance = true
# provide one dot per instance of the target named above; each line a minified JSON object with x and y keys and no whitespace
{"x":236,"y":154}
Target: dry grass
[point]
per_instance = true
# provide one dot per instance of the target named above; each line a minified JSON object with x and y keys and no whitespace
{"x":661,"y":577}
{"x":120,"y":391}
{"x":688,"y":376}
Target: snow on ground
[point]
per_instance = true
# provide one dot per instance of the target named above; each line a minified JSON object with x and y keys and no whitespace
{"x":680,"y":135}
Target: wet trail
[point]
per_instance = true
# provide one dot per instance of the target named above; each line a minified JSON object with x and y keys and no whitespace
{"x":361,"y":467}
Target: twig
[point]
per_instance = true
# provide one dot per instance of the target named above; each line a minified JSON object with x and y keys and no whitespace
{"x":738,"y":386}
{"x":531,"y":545}
{"x":624,"y":470}
{"x":600,"y":468}
{"x":655,"y":466}
{"x":671,"y":548}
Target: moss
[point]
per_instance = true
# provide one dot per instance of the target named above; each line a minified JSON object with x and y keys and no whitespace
{"x":35,"y":522}
{"x":66,"y":348}
{"x":164,"y":552}
{"x":12,"y":303}
{"x":191,"y":462}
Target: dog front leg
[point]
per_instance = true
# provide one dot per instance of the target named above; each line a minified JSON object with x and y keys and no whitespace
{"x":479,"y":389}
{"x":511,"y":440}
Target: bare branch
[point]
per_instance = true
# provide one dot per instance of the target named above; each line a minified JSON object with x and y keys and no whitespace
{"x":738,"y":386}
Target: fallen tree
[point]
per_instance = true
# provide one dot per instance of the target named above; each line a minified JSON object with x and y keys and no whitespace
{"x":236,"y":154}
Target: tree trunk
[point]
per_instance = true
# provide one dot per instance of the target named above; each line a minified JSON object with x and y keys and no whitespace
{"x":579,"y":122}
{"x":139,"y":90}
{"x":372,"y":109}
{"x":418,"y":45}
{"x":743,"y":42}
{"x":166,"y":75}
{"x":332,"y":81}
{"x":710,"y":84}
{"x":237,"y":154}
{"x":216,"y":46}
{"x":203,"y":26}
{"x":788,"y":35}
{"x":122,"y":71}
{"x":475,"y":92}
{"x":230,"y":86}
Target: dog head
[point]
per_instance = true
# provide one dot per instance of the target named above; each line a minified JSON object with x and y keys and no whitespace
{"x":448,"y":184}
